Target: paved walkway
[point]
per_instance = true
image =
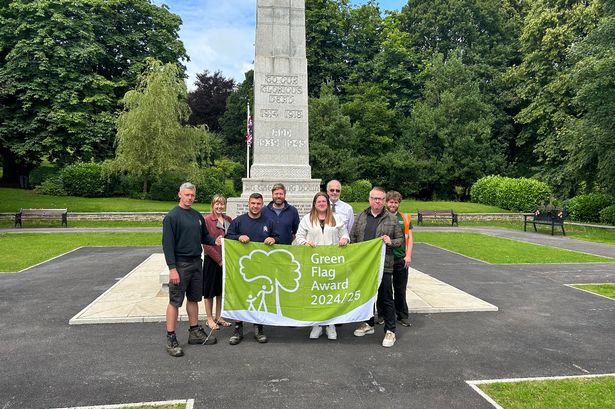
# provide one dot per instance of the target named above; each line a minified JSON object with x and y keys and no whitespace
{"x":138,"y":297}
{"x":542,"y":328}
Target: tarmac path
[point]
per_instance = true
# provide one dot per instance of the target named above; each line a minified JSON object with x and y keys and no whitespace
{"x":542,"y":328}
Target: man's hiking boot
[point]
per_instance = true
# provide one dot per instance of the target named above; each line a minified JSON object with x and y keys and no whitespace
{"x":259,"y":335}
{"x":237,"y":334}
{"x":173,"y":347}
{"x":199,"y":336}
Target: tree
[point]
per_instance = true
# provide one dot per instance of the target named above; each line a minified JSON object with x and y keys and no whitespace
{"x":325,"y":32}
{"x":450,"y":129}
{"x":331,"y":134}
{"x":208,"y":101}
{"x":64,"y":67}
{"x":550,"y":29}
{"x":588,"y":137}
{"x":150,"y":138}
{"x":233,"y":121}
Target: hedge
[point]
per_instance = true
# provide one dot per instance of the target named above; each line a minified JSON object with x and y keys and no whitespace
{"x":518,"y":194}
{"x":586,"y":208}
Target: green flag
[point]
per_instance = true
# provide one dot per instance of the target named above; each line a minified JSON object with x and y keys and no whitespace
{"x":301,"y":285}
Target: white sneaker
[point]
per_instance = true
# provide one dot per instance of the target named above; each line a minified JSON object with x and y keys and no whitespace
{"x":363,"y":329}
{"x":331,"y":332}
{"x":389,"y":339}
{"x":316,"y":332}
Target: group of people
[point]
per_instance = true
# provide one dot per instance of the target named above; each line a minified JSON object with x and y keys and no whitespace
{"x":331,"y":221}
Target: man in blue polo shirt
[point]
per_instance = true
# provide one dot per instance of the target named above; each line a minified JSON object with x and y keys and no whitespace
{"x":252,"y":226}
{"x":284,"y":216}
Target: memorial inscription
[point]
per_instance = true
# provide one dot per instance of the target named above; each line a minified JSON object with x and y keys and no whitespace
{"x":281,"y":141}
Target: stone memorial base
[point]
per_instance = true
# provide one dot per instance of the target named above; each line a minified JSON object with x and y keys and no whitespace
{"x":299,"y":193}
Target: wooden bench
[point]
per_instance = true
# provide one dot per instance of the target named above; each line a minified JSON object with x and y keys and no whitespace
{"x":553,"y":218}
{"x":31,"y":214}
{"x":438,"y":214}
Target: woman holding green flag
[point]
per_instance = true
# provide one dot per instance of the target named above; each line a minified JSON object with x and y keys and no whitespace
{"x":317,"y":228}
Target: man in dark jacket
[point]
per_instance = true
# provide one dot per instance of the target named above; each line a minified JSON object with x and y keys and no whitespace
{"x":252,"y":226}
{"x":284,"y":216}
{"x":376,"y":221}
{"x":183,"y":233}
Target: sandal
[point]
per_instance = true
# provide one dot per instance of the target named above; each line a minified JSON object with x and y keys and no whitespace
{"x":224,"y":323}
{"x":215,"y":326}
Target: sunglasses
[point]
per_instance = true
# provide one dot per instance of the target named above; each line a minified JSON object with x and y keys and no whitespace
{"x":335,"y":190}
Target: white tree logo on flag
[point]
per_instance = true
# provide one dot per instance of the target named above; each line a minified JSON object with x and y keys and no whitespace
{"x":284,"y":274}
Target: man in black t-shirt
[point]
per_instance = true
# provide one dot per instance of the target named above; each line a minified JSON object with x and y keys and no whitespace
{"x":183,"y":233}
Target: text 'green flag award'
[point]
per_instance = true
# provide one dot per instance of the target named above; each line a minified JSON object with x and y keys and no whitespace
{"x":301,"y":285}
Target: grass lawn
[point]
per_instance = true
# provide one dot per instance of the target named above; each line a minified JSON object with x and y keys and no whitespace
{"x":497,"y":250}
{"x":5,"y":224}
{"x":23,"y":250}
{"x":586,"y":393}
{"x":411,"y":206}
{"x":607,"y":290}
{"x":11,"y":200}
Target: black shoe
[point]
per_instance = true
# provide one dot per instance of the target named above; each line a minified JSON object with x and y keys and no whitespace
{"x":237,"y":335}
{"x":199,"y":336}
{"x":259,"y":335}
{"x":173,"y":347}
{"x":404,"y":322}
{"x":379,"y":320}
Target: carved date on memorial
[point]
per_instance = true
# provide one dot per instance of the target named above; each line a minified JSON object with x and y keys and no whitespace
{"x":269,"y":113}
{"x":293,"y":114}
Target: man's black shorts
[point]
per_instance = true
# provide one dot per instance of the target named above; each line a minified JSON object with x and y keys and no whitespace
{"x":190,"y":282}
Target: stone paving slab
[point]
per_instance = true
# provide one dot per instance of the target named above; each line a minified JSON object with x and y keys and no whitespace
{"x":137,"y":297}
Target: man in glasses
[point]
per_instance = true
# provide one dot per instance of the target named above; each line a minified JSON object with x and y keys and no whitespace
{"x":339,"y":207}
{"x":373,"y":222}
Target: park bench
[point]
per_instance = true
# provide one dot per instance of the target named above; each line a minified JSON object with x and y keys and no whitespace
{"x":438,"y":214}
{"x":551,"y":218}
{"x":31,"y":214}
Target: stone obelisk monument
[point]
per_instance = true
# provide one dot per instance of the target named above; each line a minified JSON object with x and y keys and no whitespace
{"x":281,"y":137}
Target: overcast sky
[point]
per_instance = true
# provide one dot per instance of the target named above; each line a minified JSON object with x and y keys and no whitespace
{"x":219,"y":34}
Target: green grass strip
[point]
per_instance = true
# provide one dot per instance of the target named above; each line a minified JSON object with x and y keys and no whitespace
{"x":9,"y":224}
{"x":24,"y":250}
{"x":586,"y":393}
{"x":497,"y":250}
{"x":607,"y":290}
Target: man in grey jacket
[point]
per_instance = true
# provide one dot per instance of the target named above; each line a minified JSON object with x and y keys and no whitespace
{"x":373,"y":222}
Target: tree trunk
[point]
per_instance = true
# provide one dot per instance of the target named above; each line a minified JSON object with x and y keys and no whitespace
{"x":145,"y":186}
{"x":14,"y":174}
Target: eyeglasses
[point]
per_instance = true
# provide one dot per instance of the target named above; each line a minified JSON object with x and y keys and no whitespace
{"x":335,"y":190}
{"x":377,"y":199}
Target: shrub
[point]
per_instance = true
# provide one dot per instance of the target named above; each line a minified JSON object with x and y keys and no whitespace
{"x":42,"y":172}
{"x":607,"y":215}
{"x":53,"y":186}
{"x":347,"y":194}
{"x":85,"y":179}
{"x":485,"y":190}
{"x":520,"y":194}
{"x":166,"y":186}
{"x":360,"y":190}
{"x":208,"y":182}
{"x":586,"y":208}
